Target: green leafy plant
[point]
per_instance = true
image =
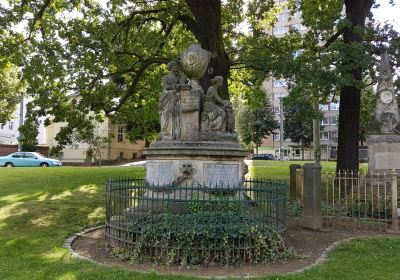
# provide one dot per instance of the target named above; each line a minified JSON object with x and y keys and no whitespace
{"x":215,"y":231}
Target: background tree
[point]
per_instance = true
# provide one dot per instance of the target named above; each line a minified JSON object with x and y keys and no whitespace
{"x":333,"y":58}
{"x":28,"y":135}
{"x":255,"y":124}
{"x":95,"y":141}
{"x":10,"y":90}
{"x":298,"y":125}
{"x":109,"y":56}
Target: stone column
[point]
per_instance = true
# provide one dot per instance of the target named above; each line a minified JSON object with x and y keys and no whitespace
{"x":312,"y":196}
{"x":293,"y":186}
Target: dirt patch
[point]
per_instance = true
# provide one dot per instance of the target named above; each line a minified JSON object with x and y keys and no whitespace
{"x":310,"y":245}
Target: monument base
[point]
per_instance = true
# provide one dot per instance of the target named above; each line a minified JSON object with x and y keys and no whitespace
{"x":208,"y":163}
{"x":383,"y":152}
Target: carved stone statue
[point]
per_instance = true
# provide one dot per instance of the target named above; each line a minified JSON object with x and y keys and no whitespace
{"x":169,"y":103}
{"x":214,"y":117}
{"x":387,"y":111}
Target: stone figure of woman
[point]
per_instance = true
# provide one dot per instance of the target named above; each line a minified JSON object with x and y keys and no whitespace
{"x":213,"y":117}
{"x":169,"y":104}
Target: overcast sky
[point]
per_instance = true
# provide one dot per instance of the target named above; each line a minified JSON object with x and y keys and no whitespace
{"x":387,"y":12}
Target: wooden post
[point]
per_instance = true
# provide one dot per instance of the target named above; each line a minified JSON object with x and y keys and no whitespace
{"x":299,"y":184}
{"x":293,"y":182}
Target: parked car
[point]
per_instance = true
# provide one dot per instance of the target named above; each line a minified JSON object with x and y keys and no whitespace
{"x":28,"y":159}
{"x":263,"y":157}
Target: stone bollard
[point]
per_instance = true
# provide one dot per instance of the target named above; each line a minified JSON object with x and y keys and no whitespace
{"x":312,"y":196}
{"x":293,"y":186}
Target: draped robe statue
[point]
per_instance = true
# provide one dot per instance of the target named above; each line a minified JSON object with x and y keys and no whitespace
{"x":169,"y":103}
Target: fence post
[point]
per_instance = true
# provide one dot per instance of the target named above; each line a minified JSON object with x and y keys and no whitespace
{"x":312,"y":196}
{"x":395,"y":218}
{"x":293,"y":186}
{"x":299,"y":184}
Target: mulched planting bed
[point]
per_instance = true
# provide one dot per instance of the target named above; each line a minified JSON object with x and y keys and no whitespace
{"x":309,"y":245}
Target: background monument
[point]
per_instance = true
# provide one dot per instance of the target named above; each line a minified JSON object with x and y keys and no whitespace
{"x":383,"y":136}
{"x":197,"y":144}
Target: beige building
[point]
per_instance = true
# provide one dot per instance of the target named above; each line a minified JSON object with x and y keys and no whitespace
{"x":277,"y":88}
{"x":119,"y":147}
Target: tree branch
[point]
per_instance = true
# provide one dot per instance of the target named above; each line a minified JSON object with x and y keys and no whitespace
{"x":190,"y":23}
{"x":38,"y":16}
{"x":136,"y":78}
{"x":334,"y":37}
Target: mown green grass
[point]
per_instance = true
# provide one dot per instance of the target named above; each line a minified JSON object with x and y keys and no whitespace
{"x":280,"y":169}
{"x":41,"y":207}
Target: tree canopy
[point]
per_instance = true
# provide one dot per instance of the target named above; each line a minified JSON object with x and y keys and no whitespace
{"x":79,"y":56}
{"x":298,"y":125}
{"x":332,"y":58}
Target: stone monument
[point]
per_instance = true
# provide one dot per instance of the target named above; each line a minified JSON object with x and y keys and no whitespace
{"x":197,"y":144}
{"x":383,"y":135}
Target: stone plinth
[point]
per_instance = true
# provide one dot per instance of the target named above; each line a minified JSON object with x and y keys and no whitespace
{"x":383,"y":152}
{"x":209,"y":163}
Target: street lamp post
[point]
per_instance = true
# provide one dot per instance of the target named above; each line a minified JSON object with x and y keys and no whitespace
{"x":280,"y":130}
{"x":21,"y":119}
{"x":316,"y":136}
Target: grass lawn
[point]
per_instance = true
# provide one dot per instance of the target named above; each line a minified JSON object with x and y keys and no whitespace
{"x":280,"y":169}
{"x":41,"y":207}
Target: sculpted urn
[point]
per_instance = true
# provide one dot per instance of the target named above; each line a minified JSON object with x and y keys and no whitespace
{"x":194,"y":62}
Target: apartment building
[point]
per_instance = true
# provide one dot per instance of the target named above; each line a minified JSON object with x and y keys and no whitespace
{"x":277,"y":88}
{"x":9,"y":131}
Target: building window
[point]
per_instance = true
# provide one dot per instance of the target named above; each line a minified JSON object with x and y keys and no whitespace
{"x":297,"y":14}
{"x":323,"y":107}
{"x":282,"y":17}
{"x":276,"y":110}
{"x":334,"y":106}
{"x":298,"y":26}
{"x":120,"y":155}
{"x":297,"y":53}
{"x":10,"y":125}
{"x":280,"y":30}
{"x":120,"y":134}
{"x":279,"y":83}
{"x":280,"y":95}
{"x":2,"y":126}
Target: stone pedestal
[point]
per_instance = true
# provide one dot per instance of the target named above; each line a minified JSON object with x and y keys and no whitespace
{"x":198,"y":163}
{"x":383,"y":152}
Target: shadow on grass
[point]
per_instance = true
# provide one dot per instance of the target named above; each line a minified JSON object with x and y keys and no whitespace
{"x":39,"y":210}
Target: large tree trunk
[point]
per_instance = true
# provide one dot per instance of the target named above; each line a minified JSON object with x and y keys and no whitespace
{"x":350,"y":96}
{"x":207,"y":16}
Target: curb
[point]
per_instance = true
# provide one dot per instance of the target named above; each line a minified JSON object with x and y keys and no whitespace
{"x":68,"y":243}
{"x":324,"y":255}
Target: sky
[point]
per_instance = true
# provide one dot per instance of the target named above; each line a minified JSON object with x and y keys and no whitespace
{"x":389,"y":13}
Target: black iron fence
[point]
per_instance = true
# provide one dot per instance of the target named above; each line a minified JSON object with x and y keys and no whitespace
{"x":196,"y":224}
